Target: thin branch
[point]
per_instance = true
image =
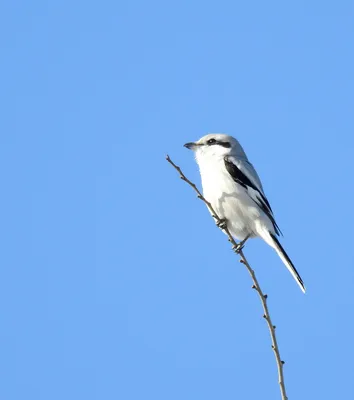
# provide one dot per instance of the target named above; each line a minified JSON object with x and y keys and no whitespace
{"x":263,"y":297}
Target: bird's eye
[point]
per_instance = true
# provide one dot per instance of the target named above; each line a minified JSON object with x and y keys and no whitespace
{"x":211,"y":141}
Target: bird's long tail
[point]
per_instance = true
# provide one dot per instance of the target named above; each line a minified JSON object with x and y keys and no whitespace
{"x":274,"y":242}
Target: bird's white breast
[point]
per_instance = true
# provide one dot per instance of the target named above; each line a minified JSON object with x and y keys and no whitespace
{"x":229,"y":199}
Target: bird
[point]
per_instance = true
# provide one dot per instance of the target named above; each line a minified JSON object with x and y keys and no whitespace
{"x":233,"y":188}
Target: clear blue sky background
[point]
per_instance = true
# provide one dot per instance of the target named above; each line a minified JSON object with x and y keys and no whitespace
{"x":115,"y":283}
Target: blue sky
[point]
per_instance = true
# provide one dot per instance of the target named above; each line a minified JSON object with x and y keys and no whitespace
{"x":115,"y":283}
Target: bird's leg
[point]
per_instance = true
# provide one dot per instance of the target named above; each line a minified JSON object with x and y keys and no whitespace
{"x":240,"y":245}
{"x":221,"y":223}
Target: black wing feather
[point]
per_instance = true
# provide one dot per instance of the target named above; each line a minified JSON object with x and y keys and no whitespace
{"x":239,"y":177}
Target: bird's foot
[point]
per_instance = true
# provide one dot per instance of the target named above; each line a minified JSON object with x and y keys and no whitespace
{"x":239,"y":246}
{"x":221,"y":223}
{"x":237,"y":249}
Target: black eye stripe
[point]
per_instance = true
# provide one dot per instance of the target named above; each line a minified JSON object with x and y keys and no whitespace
{"x":212,"y":142}
{"x":225,"y":144}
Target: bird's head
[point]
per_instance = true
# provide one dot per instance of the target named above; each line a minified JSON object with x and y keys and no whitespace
{"x":216,"y":145}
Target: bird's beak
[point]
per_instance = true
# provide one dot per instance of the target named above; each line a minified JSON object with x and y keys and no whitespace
{"x":191,"y":145}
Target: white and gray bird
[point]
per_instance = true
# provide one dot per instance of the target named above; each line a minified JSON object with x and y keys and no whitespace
{"x":232,"y":186}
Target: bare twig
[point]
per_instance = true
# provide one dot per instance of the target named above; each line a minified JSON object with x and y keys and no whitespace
{"x":263,"y":297}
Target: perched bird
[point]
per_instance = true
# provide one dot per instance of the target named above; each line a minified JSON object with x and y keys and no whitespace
{"x":232,"y":186}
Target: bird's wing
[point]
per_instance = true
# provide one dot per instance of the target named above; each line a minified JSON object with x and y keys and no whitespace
{"x":243,"y":173}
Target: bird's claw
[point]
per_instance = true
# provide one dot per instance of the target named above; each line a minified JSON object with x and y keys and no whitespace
{"x":238,"y":247}
{"x":221,"y":223}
